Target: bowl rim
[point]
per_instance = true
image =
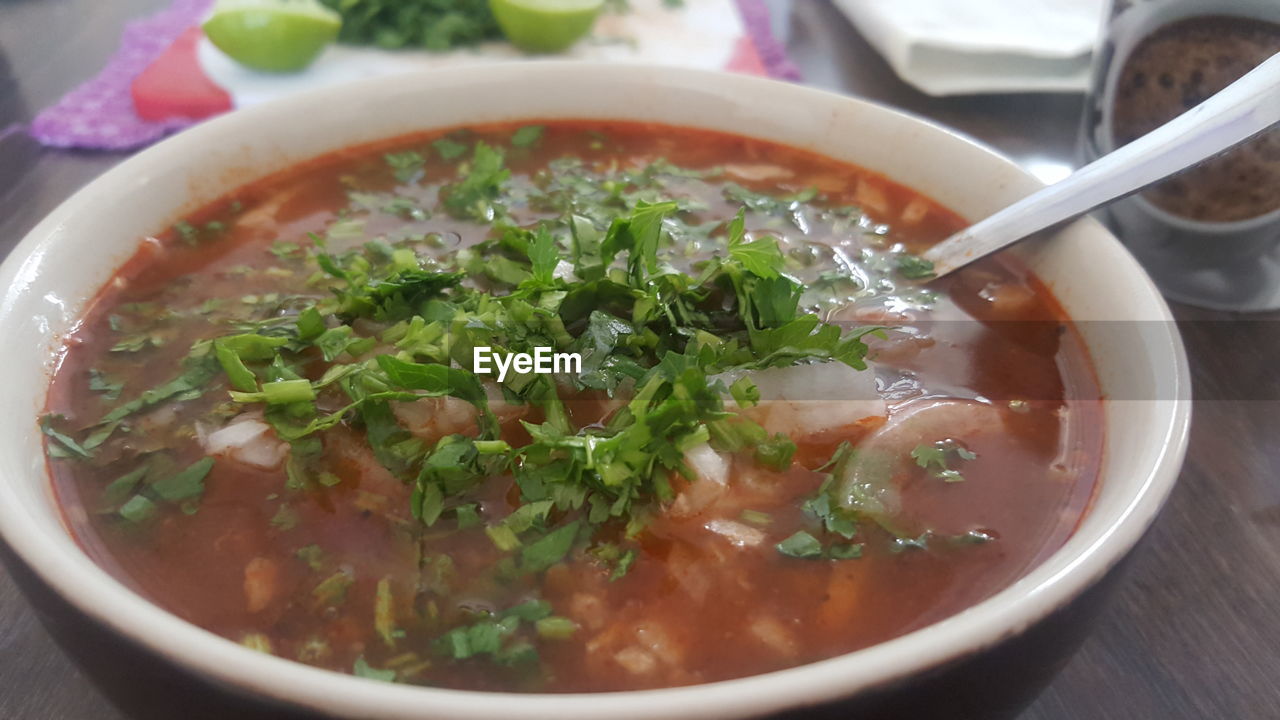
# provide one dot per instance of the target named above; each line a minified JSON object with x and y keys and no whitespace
{"x":1006,"y":613}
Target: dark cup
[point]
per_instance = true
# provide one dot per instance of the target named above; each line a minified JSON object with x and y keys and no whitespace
{"x":1209,"y":236}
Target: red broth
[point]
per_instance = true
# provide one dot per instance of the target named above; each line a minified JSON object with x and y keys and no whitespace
{"x":335,"y":570}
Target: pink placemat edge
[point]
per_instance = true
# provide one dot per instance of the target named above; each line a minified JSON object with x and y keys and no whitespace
{"x":99,"y":114}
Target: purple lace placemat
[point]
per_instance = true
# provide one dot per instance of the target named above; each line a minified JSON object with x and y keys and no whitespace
{"x":100,"y":114}
{"x":13,"y":129}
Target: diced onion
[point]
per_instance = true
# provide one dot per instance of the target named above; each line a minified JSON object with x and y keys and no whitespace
{"x":736,"y":532}
{"x":757,"y":172}
{"x":866,"y":482}
{"x":249,"y":441}
{"x":708,"y":464}
{"x":775,"y":635}
{"x":807,"y":399}
{"x":563,"y":271}
{"x":712,"y":470}
{"x":636,"y":661}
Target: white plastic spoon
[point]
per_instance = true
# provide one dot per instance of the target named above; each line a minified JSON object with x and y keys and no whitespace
{"x":1241,"y":110}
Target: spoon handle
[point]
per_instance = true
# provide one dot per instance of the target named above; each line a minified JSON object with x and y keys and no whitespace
{"x":1241,"y":110}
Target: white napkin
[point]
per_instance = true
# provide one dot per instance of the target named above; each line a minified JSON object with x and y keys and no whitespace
{"x":954,"y":47}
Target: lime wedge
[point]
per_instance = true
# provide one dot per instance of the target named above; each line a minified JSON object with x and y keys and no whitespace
{"x":545,"y":26}
{"x":272,"y":35}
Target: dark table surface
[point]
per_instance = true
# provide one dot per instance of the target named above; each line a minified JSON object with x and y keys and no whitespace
{"x":1194,"y":632}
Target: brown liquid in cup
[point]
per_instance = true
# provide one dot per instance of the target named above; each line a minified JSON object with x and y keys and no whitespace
{"x":1176,"y":68}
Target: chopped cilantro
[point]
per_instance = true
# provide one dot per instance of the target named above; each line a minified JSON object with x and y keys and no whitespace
{"x":474,"y":195}
{"x":934,"y":459}
{"x":556,"y":628}
{"x":406,"y":165}
{"x":199,"y":368}
{"x":425,"y":24}
{"x":60,"y":442}
{"x":449,"y":149}
{"x":669,"y":307}
{"x":312,"y":555}
{"x":240,"y":376}
{"x":258,"y":642}
{"x":137,"y":509}
{"x":364,"y":670}
{"x":503,"y":537}
{"x":549,"y":549}
{"x":101,"y":383}
{"x":914,"y":267}
{"x":623,"y":566}
{"x":186,"y":484}
{"x":529,"y":611}
{"x":761,"y":256}
{"x":845,"y":551}
{"x":615,"y":559}
{"x":744,"y":392}
{"x":286,"y":250}
{"x":467,"y":516}
{"x":280,"y":392}
{"x":119,"y":490}
{"x":332,"y":590}
{"x":286,"y":518}
{"x":186,"y":232}
{"x":800,"y":545}
{"x":135,"y":343}
{"x":310,"y":324}
{"x":776,"y":453}
{"x":527,"y":136}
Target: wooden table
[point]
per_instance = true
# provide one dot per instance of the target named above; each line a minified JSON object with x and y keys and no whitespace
{"x":1193,"y":634}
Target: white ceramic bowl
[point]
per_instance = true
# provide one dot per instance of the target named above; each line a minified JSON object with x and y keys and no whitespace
{"x":62,"y":263}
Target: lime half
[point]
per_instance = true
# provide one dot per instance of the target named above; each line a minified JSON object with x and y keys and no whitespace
{"x":272,"y":35}
{"x":545,"y":26}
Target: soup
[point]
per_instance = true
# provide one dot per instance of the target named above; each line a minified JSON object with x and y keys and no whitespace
{"x":567,"y":407}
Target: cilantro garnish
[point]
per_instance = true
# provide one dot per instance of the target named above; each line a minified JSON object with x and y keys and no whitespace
{"x":61,"y":444}
{"x":934,"y":458}
{"x":549,"y":549}
{"x":406,"y":164}
{"x":527,"y":136}
{"x":449,"y":149}
{"x":364,"y":670}
{"x":761,"y":256}
{"x":671,"y":309}
{"x":914,"y":267}
{"x":425,"y":24}
{"x":101,"y":383}
{"x":800,"y":545}
{"x":188,"y":483}
{"x":473,"y":196}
